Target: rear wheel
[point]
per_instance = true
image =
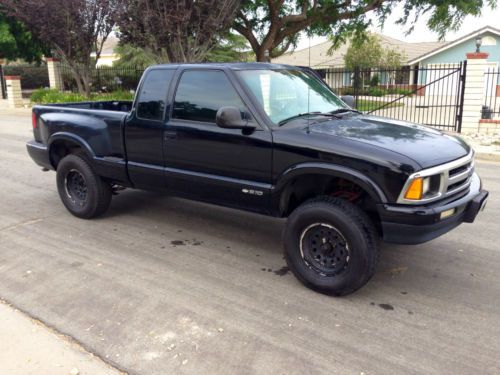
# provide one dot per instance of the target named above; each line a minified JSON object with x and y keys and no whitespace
{"x":82,"y":191}
{"x":330,"y":245}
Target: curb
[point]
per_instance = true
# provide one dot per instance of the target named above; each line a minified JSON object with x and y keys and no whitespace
{"x":488,"y":156}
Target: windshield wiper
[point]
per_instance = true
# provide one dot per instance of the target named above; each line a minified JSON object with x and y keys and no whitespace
{"x":343,"y":110}
{"x":284,"y":121}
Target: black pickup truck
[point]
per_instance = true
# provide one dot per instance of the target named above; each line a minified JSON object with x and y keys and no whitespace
{"x":272,"y":139}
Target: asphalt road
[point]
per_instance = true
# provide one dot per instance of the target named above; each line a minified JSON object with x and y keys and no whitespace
{"x":161,"y":285}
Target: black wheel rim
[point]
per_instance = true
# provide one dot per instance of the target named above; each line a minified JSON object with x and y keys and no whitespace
{"x":324,"y":249}
{"x":76,"y":187}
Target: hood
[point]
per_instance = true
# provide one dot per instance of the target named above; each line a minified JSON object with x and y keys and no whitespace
{"x":426,"y":146}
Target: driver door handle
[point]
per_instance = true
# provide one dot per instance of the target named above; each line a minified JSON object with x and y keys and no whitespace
{"x":170,"y":134}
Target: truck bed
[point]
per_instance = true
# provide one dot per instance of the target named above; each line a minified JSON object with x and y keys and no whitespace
{"x":120,"y":105}
{"x":95,"y":127}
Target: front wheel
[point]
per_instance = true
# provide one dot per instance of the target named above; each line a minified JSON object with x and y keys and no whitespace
{"x":331,"y":246}
{"x":82,"y":191}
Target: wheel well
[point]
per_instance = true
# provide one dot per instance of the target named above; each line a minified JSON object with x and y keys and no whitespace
{"x":303,"y":188}
{"x":60,"y":148}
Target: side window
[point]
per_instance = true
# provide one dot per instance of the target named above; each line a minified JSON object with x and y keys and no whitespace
{"x":153,"y":96}
{"x":200,"y":94}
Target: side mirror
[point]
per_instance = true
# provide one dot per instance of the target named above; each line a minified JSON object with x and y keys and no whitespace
{"x":230,"y":118}
{"x":349,"y":100}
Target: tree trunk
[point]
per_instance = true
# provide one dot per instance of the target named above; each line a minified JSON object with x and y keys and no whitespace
{"x":260,"y":55}
{"x":78,"y":80}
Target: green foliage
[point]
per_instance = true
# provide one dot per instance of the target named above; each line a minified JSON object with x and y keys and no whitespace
{"x":47,"y":96}
{"x":274,"y":25}
{"x":375,"y":80}
{"x":392,"y":58}
{"x":376,"y":91}
{"x":230,"y":48}
{"x":367,"y":52}
{"x":16,"y":42}
{"x":32,"y":76}
{"x":364,"y":53}
{"x":365,"y":105}
{"x":133,"y":56}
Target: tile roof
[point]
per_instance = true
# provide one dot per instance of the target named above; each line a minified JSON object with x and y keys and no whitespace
{"x":320,"y":57}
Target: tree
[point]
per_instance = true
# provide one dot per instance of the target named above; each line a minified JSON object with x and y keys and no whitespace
{"x":363,"y":53}
{"x":273,"y":26}
{"x":132,"y":56}
{"x":16,"y":42}
{"x":176,"y":30}
{"x":72,"y":28}
{"x":230,"y":48}
{"x":368,"y":52}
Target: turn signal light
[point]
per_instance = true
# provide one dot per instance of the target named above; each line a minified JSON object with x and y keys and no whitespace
{"x":414,"y":191}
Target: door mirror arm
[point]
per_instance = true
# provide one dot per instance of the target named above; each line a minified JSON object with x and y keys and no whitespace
{"x":230,"y":118}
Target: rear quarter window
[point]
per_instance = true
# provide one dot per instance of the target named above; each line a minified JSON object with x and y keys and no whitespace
{"x":152,"y":98}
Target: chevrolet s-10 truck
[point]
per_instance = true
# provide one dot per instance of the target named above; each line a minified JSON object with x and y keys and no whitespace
{"x":272,"y":139}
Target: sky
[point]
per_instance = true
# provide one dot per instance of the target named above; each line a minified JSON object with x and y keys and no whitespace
{"x":421,"y":32}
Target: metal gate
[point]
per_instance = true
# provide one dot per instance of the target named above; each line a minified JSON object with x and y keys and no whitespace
{"x":3,"y":85}
{"x":430,"y":95}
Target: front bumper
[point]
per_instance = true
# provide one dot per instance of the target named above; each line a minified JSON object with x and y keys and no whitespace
{"x":418,"y":224}
{"x":39,"y":153}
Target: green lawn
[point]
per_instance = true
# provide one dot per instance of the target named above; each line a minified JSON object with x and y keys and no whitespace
{"x":366,"y":105}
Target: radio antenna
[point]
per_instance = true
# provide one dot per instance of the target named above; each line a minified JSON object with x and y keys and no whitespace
{"x":309,"y":87}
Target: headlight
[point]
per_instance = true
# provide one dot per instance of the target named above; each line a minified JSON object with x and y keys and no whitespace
{"x":433,"y":183}
{"x":419,"y":188}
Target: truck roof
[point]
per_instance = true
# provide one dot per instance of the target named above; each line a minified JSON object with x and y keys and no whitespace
{"x":234,"y":66}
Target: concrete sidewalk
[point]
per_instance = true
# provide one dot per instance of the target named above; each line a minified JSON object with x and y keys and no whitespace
{"x":29,"y":347}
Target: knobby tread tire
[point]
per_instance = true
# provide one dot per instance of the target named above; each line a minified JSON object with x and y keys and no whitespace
{"x":99,"y":191}
{"x":358,"y":229}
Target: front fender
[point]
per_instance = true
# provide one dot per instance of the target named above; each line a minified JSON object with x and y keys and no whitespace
{"x":333,"y":170}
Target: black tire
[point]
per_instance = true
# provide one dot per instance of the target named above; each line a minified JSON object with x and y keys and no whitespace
{"x":82,"y":191}
{"x":331,"y":245}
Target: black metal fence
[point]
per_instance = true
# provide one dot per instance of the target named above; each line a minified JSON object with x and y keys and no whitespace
{"x":430,"y":95}
{"x":491,"y":107}
{"x":32,"y":76}
{"x":105,"y":78}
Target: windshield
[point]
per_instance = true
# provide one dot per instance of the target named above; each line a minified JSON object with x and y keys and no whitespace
{"x":287,"y":93}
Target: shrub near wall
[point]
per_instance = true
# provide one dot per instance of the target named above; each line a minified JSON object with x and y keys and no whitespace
{"x":46,"y":96}
{"x":32,"y":76}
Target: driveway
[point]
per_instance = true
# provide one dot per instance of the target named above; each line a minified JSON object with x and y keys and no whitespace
{"x":161,"y":285}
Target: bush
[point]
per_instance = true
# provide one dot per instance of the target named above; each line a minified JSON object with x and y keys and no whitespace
{"x":47,"y":96}
{"x":376,"y":91}
{"x":375,"y":80}
{"x":32,"y":76}
{"x":404,"y":92}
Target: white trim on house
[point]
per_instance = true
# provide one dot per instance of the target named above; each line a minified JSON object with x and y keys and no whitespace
{"x":454,"y":43}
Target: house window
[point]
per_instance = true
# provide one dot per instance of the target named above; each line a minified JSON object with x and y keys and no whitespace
{"x":489,"y":41}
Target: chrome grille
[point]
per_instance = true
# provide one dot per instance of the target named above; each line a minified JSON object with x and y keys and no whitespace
{"x":459,"y":177}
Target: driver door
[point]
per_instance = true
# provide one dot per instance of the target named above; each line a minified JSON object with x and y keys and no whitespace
{"x":203,"y":161}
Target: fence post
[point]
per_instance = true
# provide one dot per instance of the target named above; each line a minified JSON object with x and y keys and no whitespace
{"x":3,"y":86}
{"x":54,"y":68}
{"x":474,"y":91}
{"x":356,"y":82}
{"x":14,"y":92}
